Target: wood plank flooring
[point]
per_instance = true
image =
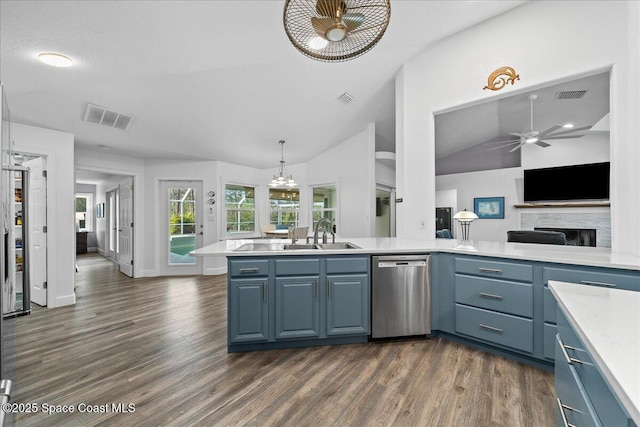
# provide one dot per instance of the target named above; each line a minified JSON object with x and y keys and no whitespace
{"x":160,"y":344}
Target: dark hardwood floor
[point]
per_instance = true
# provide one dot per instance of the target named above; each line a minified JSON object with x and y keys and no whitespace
{"x":160,"y":344}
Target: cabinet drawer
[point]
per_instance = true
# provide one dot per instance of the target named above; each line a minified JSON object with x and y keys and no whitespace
{"x":550,"y":306}
{"x":347,"y":265}
{"x":503,"y":329}
{"x":549,"y":341}
{"x":297,"y":267}
{"x":248,"y":268}
{"x":573,"y":405}
{"x":495,"y":269}
{"x":609,"y":279}
{"x":607,"y":407}
{"x":500,"y":295}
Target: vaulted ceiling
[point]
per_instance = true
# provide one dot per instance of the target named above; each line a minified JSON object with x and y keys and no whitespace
{"x":212,"y":80}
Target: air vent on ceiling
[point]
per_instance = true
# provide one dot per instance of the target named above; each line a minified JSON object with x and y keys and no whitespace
{"x":105,"y":117}
{"x":345,"y":98}
{"x":571,"y":94}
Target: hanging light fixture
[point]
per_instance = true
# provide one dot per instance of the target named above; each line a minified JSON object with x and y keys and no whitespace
{"x":282,"y":180}
{"x":335,"y":30}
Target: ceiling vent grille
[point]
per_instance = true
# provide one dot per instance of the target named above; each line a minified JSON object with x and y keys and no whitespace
{"x":345,"y":98}
{"x":105,"y":117}
{"x":571,"y":94}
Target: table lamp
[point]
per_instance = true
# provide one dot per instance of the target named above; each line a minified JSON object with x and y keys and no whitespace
{"x":464,"y":218}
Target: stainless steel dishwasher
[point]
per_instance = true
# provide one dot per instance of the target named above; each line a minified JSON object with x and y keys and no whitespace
{"x":401,"y":296}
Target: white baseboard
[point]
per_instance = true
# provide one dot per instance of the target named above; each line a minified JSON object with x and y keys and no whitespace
{"x":92,"y":249}
{"x":215,"y":271}
{"x":101,"y":252}
{"x":148,"y":273}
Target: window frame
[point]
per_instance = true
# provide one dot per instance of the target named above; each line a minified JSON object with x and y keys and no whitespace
{"x":335,"y":210}
{"x":226,"y":210}
{"x":279,"y":209}
{"x":89,"y":219}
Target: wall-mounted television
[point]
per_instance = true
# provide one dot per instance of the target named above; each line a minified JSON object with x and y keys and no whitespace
{"x":566,"y":183}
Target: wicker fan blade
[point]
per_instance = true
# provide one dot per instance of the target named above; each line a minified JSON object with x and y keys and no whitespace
{"x":548,"y":131}
{"x":352,"y":20}
{"x":329,"y":7}
{"x":542,"y":144}
{"x":321,"y":25}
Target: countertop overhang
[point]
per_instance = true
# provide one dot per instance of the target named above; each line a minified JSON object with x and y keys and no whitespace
{"x":577,"y":255}
{"x":608,"y":323}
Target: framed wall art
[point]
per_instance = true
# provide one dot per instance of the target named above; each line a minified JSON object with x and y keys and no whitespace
{"x":489,"y":207}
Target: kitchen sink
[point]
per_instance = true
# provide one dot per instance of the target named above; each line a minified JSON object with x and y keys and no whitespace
{"x":293,"y":246}
{"x":338,"y":245}
{"x":259,"y":246}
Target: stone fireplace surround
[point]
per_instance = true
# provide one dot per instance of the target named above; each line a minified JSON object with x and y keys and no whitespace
{"x":598,"y":219}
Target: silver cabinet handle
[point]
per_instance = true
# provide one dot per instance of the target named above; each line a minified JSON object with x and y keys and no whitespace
{"x":482,"y":294}
{"x":567,"y":358}
{"x":562,"y":407}
{"x":489,"y":270}
{"x":265,"y":290}
{"x":249,"y":270}
{"x":329,"y":287}
{"x":490,"y":328}
{"x":589,"y":282}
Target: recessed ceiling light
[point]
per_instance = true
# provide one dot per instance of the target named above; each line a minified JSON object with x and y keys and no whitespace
{"x":567,"y":125}
{"x":55,"y":59}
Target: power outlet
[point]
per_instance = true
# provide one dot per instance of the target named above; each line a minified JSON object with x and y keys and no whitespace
{"x":421,"y":224}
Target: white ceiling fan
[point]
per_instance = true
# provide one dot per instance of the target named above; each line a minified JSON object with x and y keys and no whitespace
{"x":536,"y":137}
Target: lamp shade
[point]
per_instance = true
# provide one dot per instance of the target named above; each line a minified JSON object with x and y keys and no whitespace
{"x":465,"y":216}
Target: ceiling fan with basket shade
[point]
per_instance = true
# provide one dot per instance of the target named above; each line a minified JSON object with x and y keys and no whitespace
{"x":536,"y":137}
{"x":335,"y":30}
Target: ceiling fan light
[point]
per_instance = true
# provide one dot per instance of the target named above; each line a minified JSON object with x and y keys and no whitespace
{"x":531,"y":140}
{"x":567,"y":125}
{"x":317,"y":43}
{"x":337,"y":33}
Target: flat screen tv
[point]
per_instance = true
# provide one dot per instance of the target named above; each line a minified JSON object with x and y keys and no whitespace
{"x":566,"y":183}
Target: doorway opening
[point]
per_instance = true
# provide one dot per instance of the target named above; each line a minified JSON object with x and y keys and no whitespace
{"x":385,"y":211}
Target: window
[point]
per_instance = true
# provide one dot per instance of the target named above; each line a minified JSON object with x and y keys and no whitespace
{"x":240,"y":209}
{"x":84,"y":212}
{"x":284,"y":206}
{"x":325,"y":203}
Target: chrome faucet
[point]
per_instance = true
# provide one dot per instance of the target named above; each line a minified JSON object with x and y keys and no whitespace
{"x":324,"y":237}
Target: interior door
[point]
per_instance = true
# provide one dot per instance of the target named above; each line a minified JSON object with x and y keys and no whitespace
{"x":37,"y":223}
{"x":181,"y":227}
{"x":125,"y":230}
{"x":111,"y":220}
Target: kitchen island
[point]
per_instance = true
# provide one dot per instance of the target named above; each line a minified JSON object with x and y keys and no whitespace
{"x":494,"y":297}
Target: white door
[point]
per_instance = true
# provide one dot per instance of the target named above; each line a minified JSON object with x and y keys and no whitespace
{"x":37,"y":236}
{"x":125,"y":230}
{"x":181,"y":227}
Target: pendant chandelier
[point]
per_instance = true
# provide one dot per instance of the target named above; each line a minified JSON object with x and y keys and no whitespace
{"x":335,"y":30}
{"x":282,"y":180}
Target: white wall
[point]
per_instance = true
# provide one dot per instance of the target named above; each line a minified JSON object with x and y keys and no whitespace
{"x":58,"y":148}
{"x":352,"y":165}
{"x":589,"y":39}
{"x":564,"y":152}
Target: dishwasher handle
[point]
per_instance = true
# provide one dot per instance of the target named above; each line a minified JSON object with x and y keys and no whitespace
{"x":401,"y":264}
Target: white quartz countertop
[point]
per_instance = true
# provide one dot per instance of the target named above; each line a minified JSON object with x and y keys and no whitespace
{"x":608,"y":323}
{"x":579,"y":255}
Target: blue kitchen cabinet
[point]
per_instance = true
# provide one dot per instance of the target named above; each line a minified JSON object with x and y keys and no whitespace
{"x":584,"y":397}
{"x":297,"y":301}
{"x":248,"y":310}
{"x":591,"y":276}
{"x":347,"y":304}
{"x":297,"y":307}
{"x":443,"y":293}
